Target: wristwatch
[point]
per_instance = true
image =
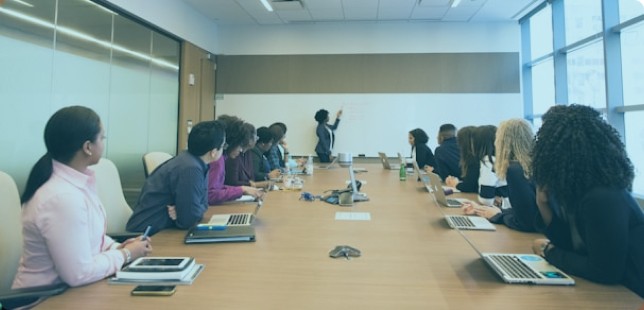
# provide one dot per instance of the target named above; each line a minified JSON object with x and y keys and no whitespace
{"x":544,"y":248}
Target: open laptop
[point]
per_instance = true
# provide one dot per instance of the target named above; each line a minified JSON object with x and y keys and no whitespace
{"x":436,"y":187}
{"x":468,"y":222}
{"x":235,"y":219}
{"x":523,"y":268}
{"x":330,"y":165}
{"x":385,"y":162}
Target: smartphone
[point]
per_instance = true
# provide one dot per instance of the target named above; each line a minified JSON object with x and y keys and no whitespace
{"x":153,"y":290}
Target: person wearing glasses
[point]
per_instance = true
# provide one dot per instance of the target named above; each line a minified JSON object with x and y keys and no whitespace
{"x":176,"y":194}
{"x":237,"y":137}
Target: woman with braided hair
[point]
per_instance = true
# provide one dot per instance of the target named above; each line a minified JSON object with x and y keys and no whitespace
{"x":584,"y":177}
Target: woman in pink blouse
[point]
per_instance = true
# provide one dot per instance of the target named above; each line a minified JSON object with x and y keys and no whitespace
{"x":63,"y":219}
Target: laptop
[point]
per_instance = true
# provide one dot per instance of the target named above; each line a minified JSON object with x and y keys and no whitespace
{"x":235,"y":219}
{"x":385,"y":162}
{"x":330,"y":165}
{"x":228,"y":234}
{"x":469,"y":222}
{"x":436,"y":187}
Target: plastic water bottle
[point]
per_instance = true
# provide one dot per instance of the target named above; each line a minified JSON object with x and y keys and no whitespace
{"x":403,"y":171}
{"x":309,"y":165}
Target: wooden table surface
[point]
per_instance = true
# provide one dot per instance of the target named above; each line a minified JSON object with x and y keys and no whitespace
{"x":410,"y":259}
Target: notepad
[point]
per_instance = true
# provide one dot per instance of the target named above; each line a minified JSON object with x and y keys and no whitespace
{"x":352,"y":216}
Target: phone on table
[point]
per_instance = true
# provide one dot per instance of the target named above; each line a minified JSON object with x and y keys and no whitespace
{"x":153,"y":290}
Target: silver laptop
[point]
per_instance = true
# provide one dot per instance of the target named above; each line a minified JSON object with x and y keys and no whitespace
{"x":436,"y":187}
{"x":235,"y":219}
{"x":525,"y":269}
{"x":385,"y":162}
{"x":330,"y":165}
{"x":469,"y":222}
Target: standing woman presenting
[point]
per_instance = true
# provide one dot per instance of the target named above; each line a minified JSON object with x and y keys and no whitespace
{"x":326,"y":135}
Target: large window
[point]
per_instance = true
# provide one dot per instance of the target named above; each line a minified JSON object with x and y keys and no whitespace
{"x":74,"y":52}
{"x":586,"y":61}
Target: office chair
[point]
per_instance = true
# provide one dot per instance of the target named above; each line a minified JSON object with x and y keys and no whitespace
{"x":152,"y":160}
{"x":110,"y":192}
{"x":11,"y":245}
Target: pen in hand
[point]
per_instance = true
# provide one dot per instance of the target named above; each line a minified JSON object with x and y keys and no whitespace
{"x":146,"y":233}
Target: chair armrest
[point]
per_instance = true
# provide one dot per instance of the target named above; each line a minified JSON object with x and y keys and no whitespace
{"x":24,"y":296}
{"x":122,"y":236}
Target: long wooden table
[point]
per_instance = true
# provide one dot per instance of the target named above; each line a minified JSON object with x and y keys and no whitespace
{"x":410,"y":260}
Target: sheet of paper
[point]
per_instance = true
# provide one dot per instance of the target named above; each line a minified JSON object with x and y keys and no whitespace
{"x":353,"y":216}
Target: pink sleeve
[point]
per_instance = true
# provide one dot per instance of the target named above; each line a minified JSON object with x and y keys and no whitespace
{"x":76,"y":241}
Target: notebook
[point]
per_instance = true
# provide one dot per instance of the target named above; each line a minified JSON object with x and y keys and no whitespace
{"x":235,"y":219}
{"x":386,"y":164}
{"x":228,"y":234}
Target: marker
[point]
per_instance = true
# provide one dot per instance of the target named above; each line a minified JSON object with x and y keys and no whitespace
{"x":210,"y":227}
{"x":146,"y":233}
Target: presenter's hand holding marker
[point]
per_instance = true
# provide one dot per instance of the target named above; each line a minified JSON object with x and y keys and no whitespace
{"x":339,"y":114}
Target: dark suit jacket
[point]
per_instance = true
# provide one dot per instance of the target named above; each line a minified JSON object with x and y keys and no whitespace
{"x":424,"y":156}
{"x":324,"y":138}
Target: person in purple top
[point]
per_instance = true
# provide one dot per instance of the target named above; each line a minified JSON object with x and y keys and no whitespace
{"x":218,"y":191}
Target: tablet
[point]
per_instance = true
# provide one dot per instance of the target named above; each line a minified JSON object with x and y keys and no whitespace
{"x":160,"y":263}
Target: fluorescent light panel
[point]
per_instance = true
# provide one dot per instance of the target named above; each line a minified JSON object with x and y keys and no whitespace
{"x":455,"y":3}
{"x":267,"y":5}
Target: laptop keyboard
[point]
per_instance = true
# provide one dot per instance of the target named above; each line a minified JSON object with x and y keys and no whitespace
{"x":238,"y":219}
{"x":453,"y":202}
{"x":514,"y":267}
{"x":462,"y":221}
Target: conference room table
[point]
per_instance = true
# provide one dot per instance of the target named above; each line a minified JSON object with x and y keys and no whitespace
{"x":410,"y":259}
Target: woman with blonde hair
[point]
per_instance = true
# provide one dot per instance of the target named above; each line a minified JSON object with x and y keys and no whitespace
{"x":513,"y":148}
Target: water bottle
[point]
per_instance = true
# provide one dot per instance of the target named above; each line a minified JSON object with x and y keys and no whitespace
{"x":403,"y":171}
{"x":309,"y":165}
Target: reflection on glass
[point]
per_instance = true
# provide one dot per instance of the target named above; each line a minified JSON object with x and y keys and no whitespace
{"x":632,"y":71}
{"x":541,"y":33}
{"x":629,"y":9}
{"x":586,"y":79}
{"x":583,"y":19}
{"x":543,"y":86}
{"x":635,"y":147}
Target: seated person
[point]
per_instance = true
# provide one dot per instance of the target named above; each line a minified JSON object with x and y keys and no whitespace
{"x":239,"y":169}
{"x":447,"y":153}
{"x":513,"y":146}
{"x":470,"y":165}
{"x":595,"y":228}
{"x":276,"y":155}
{"x":420,"y":152}
{"x":181,"y":182}
{"x":218,"y":192}
{"x":261,"y":166}
{"x":62,"y":218}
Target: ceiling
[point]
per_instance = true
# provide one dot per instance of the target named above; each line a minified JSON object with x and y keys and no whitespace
{"x":252,"y":12}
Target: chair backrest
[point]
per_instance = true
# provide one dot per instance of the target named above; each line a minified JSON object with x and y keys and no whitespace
{"x":10,"y":231}
{"x":153,"y":160}
{"x":108,"y":186}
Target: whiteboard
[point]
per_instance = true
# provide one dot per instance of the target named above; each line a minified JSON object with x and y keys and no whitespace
{"x":371,"y":123}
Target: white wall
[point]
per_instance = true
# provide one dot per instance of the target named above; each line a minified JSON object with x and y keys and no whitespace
{"x":177,"y":18}
{"x":372,"y":122}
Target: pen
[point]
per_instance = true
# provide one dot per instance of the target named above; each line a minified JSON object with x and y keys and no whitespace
{"x":210,"y":227}
{"x":146,"y":233}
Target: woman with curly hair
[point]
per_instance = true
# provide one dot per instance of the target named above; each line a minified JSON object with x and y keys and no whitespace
{"x":469,"y":163}
{"x":583,"y":175}
{"x":513,"y":148}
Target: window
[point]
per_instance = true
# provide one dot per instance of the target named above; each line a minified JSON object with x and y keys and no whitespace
{"x":583,"y":19}
{"x":541,"y":33}
{"x":586,"y":84}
